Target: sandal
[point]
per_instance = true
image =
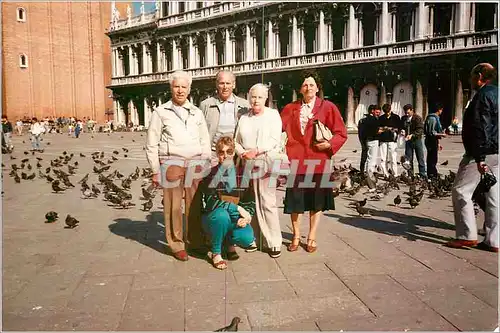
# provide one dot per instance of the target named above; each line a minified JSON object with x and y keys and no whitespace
{"x":217,"y":261}
{"x":292,"y":247}
{"x":311,"y":245}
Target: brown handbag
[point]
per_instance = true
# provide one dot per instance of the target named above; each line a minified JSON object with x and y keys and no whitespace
{"x":321,"y":132}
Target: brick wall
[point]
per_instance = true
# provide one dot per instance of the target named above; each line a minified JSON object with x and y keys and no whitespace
{"x":68,"y":54}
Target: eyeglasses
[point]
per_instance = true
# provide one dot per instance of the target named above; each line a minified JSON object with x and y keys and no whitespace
{"x":226,"y":152}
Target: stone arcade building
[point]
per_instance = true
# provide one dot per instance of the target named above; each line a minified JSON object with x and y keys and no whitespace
{"x":366,"y":53}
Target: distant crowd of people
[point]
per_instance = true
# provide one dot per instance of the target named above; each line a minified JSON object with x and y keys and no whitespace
{"x":381,"y":131}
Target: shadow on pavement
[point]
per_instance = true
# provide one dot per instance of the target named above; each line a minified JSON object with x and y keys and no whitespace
{"x":404,"y":225}
{"x":148,"y":232}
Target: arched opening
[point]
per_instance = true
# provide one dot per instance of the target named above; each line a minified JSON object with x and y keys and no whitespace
{"x":23,"y":61}
{"x":367,"y":96}
{"x":369,"y":20}
{"x":485,"y":16}
{"x":442,"y":19}
{"x":182,"y":7}
{"x":202,"y":50}
{"x":310,"y":33}
{"x":219,"y":47}
{"x":261,"y":41}
{"x":21,"y":14}
{"x":284,"y":37}
{"x":402,"y":94}
{"x":165,"y":8}
{"x":338,"y":24}
{"x":239,"y":39}
{"x":404,"y":16}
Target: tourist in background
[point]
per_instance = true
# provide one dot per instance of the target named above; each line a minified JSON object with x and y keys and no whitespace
{"x":298,"y":118}
{"x":36,"y":130}
{"x":413,"y":127}
{"x":390,"y":123}
{"x":433,"y":133}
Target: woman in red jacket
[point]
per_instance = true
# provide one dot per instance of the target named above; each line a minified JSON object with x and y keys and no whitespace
{"x":312,"y":158}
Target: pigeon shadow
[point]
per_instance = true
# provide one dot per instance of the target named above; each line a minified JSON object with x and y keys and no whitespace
{"x":149,"y":233}
{"x":397,"y":224}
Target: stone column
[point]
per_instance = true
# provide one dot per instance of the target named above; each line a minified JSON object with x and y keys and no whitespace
{"x":270,"y":40}
{"x":145,"y":60}
{"x":459,"y":103}
{"x":295,"y":37}
{"x":322,"y":36}
{"x":116,"y":107}
{"x":393,"y":29}
{"x":352,"y":32}
{"x":113,"y":62}
{"x":159,"y":58}
{"x":131,"y":60}
{"x":294,"y":95}
{"x":192,"y":53}
{"x":419,"y":99}
{"x":174,"y":7}
{"x":384,"y":23}
{"x":248,"y":44}
{"x":350,"y":109}
{"x":422,"y":16}
{"x":430,"y":29}
{"x":228,"y":49}
{"x":462,"y":17}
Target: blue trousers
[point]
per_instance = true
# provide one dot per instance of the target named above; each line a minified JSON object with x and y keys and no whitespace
{"x":35,"y":142}
{"x":417,"y":147}
{"x":219,"y":226}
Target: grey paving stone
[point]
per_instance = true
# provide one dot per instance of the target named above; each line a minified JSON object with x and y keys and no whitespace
{"x":384,"y":296}
{"x":82,"y":321}
{"x":218,"y":315}
{"x":437,"y":280}
{"x":461,"y":308}
{"x":154,"y":310}
{"x":304,"y":325}
{"x":428,"y":321}
{"x":245,"y":272}
{"x":267,"y":291}
{"x":487,"y":293}
{"x":487,"y":261}
{"x":354,"y":266}
{"x":101,"y":293}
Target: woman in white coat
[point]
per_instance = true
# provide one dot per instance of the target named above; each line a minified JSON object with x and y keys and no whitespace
{"x":257,"y":137}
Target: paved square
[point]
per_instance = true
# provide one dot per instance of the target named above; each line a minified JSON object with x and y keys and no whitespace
{"x":388,"y":271}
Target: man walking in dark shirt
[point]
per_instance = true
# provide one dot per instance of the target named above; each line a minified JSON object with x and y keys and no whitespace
{"x":413,"y":126}
{"x":480,"y":139}
{"x":433,"y":133}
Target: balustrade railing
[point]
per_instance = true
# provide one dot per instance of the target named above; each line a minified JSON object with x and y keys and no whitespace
{"x":372,"y":53}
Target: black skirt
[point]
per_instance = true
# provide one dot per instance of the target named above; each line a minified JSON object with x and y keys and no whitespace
{"x":300,"y":200}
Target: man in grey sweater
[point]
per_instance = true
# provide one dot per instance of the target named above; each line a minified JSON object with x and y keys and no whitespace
{"x":223,"y":111}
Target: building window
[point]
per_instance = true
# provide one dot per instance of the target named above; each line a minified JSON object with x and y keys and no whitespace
{"x":182,"y":7}
{"x":23,"y":61}
{"x":21,"y":14}
{"x":485,"y":16}
{"x":199,"y":4}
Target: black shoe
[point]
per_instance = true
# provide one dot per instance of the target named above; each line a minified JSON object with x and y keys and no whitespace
{"x":232,"y":256}
{"x":251,"y":248}
{"x":275,"y":252}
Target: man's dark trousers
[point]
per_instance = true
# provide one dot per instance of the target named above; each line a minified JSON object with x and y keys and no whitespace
{"x":417,"y":146}
{"x":364,"y":155}
{"x":432,"y":146}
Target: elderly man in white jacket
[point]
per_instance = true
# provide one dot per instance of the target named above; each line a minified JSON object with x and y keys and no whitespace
{"x":36,"y":130}
{"x":177,"y":136}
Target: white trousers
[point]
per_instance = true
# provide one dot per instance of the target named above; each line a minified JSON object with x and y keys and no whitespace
{"x":466,"y":181}
{"x":266,"y":212}
{"x":388,"y":158}
{"x":371,"y":161}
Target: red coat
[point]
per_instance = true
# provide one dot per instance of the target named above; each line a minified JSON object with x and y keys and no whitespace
{"x":300,"y":147}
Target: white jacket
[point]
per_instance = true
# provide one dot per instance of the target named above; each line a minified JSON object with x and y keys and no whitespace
{"x":169,"y":137}
{"x":37,"y":128}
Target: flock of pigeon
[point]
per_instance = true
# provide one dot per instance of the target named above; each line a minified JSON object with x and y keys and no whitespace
{"x":113,"y":185}
{"x":379,"y":187}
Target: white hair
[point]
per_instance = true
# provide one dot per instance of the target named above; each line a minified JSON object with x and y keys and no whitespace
{"x":259,"y":86}
{"x":180,"y":75}
{"x":231,"y":74}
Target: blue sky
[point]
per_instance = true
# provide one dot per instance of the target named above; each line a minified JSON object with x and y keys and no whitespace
{"x":148,"y":7}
